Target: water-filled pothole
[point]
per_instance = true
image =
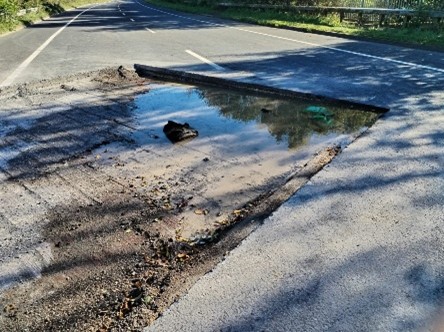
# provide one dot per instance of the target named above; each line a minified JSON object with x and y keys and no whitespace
{"x":248,"y":145}
{"x":246,"y":122}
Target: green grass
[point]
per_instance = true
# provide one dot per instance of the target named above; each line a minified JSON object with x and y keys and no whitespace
{"x":412,"y":35}
{"x":47,"y":9}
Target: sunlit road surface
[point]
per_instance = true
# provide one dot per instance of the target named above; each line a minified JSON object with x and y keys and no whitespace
{"x":358,"y":249}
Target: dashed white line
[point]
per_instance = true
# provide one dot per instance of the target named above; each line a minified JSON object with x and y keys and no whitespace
{"x":409,"y":64}
{"x":28,"y":60}
{"x":123,"y":14}
{"x":132,"y":20}
{"x":201,"y":58}
{"x":148,"y":29}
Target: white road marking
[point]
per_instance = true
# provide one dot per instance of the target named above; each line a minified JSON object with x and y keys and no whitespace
{"x":26,"y":63}
{"x":409,"y":64}
{"x":148,"y":29}
{"x":201,"y":58}
{"x":131,"y":20}
{"x":123,"y":14}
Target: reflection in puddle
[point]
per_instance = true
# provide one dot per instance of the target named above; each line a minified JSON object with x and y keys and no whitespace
{"x":248,"y":145}
{"x":215,"y":113}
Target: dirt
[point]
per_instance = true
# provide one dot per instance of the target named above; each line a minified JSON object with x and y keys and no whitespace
{"x":89,"y":243}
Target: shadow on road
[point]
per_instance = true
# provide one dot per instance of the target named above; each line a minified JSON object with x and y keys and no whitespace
{"x":415,"y":122}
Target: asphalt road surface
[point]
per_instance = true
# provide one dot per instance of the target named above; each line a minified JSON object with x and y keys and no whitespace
{"x":360,"y":248}
{"x":128,"y":32}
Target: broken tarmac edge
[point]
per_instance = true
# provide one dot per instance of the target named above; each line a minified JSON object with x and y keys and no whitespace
{"x":258,"y":209}
{"x":247,"y":218}
{"x":193,"y":78}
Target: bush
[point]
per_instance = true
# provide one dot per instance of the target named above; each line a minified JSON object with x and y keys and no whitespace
{"x":8,"y":10}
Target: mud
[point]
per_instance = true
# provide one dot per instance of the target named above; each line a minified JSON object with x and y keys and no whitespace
{"x":97,"y":230}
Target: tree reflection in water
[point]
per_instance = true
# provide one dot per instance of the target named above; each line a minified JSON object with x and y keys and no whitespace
{"x":294,"y":121}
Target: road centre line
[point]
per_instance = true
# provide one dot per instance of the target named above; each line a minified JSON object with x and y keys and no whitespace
{"x":409,"y":64}
{"x":28,"y":60}
{"x":201,"y":58}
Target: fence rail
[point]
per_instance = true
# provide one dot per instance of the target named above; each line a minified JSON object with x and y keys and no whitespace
{"x":391,"y":4}
{"x":373,"y":15}
{"x":388,"y":4}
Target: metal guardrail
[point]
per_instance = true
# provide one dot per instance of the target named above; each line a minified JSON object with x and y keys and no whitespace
{"x":437,"y":5}
{"x":382,"y":13}
{"x":434,"y":5}
{"x":391,"y":4}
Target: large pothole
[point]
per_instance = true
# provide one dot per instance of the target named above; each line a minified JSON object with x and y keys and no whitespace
{"x":127,"y":219}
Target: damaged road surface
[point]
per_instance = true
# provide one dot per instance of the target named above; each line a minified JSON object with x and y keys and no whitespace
{"x":105,"y":222}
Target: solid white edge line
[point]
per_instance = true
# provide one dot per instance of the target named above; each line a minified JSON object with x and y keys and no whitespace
{"x":148,"y":29}
{"x":410,"y":64}
{"x":28,"y":60}
{"x":201,"y":58}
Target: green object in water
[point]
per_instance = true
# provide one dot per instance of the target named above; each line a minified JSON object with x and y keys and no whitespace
{"x":318,"y":110}
{"x":325,"y":119}
{"x":320,"y":113}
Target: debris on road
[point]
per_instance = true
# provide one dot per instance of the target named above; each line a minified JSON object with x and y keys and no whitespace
{"x":177,"y":132}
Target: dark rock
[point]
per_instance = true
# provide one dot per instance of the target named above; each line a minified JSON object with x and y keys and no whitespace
{"x":177,"y":132}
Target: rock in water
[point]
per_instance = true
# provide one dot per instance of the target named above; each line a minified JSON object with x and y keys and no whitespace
{"x":177,"y":132}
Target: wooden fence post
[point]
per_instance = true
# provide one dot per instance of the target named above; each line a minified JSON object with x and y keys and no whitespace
{"x":381,"y":20}
{"x":360,"y":19}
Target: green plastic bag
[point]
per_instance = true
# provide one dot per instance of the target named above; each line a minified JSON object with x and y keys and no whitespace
{"x":320,"y":113}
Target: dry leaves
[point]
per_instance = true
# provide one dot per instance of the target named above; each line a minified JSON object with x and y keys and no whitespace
{"x":201,"y":212}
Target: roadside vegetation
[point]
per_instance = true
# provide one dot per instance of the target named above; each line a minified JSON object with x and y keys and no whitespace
{"x":17,"y":13}
{"x":418,"y":31}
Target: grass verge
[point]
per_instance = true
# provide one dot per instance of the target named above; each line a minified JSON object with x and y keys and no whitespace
{"x":46,"y":9}
{"x":415,"y":35}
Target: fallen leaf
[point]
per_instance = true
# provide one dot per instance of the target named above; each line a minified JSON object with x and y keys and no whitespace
{"x":147,"y":299}
{"x":222,"y":222}
{"x":182,"y":256}
{"x":201,"y":212}
{"x":181,"y":239}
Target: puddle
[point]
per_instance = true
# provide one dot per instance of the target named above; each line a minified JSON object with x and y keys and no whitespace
{"x":247,"y":145}
{"x":235,"y":118}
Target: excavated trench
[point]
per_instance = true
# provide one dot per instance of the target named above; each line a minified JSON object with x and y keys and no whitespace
{"x":105,"y":221}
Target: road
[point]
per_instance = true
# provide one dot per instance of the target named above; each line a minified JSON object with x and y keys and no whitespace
{"x":360,"y":248}
{"x":127,"y":32}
